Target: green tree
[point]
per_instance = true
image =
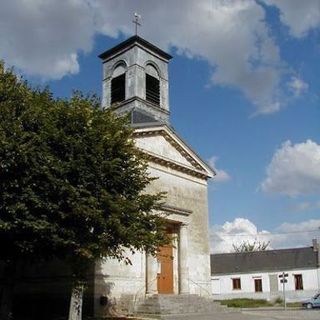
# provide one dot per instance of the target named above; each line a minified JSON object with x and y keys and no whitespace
{"x":72,"y":182}
{"x":247,"y":246}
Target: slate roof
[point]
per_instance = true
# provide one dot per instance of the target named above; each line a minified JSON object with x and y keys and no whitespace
{"x":140,"y":117}
{"x":259,"y":261}
{"x":131,"y":41}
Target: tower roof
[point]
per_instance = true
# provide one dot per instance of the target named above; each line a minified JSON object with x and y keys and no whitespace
{"x":135,"y":40}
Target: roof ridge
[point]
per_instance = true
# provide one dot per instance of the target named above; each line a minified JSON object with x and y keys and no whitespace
{"x":129,"y":42}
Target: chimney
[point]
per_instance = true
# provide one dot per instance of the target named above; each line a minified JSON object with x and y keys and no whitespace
{"x":316,"y":248}
{"x":315,"y":245}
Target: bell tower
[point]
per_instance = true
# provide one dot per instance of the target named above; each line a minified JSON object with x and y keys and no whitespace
{"x":135,"y":80}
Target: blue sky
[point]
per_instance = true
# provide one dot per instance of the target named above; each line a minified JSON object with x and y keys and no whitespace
{"x":244,"y":93}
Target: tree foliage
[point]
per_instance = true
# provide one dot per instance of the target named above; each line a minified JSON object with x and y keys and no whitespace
{"x":247,"y":246}
{"x":72,"y":182}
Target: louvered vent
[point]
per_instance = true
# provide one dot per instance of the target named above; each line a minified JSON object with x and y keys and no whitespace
{"x":118,"y":88}
{"x":152,"y":89}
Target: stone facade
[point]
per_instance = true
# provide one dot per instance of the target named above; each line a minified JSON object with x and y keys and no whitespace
{"x":181,"y":174}
{"x":135,"y":58}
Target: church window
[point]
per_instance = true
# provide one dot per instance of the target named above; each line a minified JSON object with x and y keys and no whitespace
{"x":236,"y":284}
{"x":152,"y":85}
{"x":118,"y":84}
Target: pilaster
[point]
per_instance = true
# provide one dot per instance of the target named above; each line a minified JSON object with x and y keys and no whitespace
{"x":152,"y":271}
{"x":183,"y":258}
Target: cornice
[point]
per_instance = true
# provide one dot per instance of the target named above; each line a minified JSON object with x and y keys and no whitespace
{"x":176,"y":210}
{"x":197,"y":170}
{"x":175,"y":165}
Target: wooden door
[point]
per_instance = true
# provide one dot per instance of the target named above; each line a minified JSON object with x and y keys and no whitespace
{"x":165,"y":271}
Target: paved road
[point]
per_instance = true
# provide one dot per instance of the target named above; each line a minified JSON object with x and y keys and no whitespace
{"x":284,"y":315}
{"x":254,"y":314}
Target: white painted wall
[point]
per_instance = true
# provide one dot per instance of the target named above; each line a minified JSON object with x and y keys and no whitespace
{"x":126,"y":283}
{"x":187,"y":192}
{"x":222,"y":285}
{"x":116,"y":279}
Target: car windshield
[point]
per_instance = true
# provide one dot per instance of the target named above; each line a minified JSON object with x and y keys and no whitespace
{"x":317,"y":296}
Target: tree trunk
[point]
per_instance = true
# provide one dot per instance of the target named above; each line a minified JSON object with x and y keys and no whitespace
{"x":7,"y":290}
{"x":75,"y":310}
{"x":6,"y":302}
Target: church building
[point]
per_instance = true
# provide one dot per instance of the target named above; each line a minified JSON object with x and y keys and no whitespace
{"x":135,"y":81}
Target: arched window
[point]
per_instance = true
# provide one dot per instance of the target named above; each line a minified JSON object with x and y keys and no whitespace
{"x":152,"y":85}
{"x":118,"y":83}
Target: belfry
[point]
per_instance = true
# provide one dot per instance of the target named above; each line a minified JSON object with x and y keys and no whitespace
{"x":135,"y":81}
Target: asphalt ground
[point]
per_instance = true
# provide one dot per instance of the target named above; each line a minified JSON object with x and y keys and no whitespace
{"x":252,"y":314}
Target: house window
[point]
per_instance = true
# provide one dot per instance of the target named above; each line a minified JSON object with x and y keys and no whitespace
{"x":298,"y":281}
{"x":258,"y":285}
{"x":152,"y":89}
{"x":118,"y":88}
{"x":236,"y":284}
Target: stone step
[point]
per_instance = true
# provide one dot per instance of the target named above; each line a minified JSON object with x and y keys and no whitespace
{"x":178,"y":304}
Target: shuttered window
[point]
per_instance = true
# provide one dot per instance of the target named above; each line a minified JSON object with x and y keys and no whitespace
{"x":118,"y":88}
{"x":298,"y":281}
{"x":258,"y":285}
{"x":152,"y":89}
{"x":236,"y":284}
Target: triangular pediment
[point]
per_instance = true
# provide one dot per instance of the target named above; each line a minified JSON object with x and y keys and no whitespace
{"x":161,"y":147}
{"x":164,"y":145}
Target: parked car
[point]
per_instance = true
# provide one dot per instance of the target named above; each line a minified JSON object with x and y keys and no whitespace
{"x":313,"y":302}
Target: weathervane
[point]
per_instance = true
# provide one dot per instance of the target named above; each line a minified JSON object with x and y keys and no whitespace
{"x":136,"y":21}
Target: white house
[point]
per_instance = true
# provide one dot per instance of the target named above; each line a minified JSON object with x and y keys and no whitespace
{"x":256,"y":274}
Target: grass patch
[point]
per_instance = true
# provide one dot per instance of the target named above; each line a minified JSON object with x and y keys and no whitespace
{"x":278,"y":301}
{"x":255,"y":303}
{"x":246,"y":303}
{"x":294,"y":304}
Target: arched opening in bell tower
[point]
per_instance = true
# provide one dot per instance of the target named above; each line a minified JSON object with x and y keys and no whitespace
{"x":118,"y":83}
{"x":152,"y":85}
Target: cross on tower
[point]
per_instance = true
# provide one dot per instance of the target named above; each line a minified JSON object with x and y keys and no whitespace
{"x":136,"y":22}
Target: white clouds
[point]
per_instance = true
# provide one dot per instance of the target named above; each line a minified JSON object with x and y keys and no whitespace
{"x":305,"y":206}
{"x":299,"y":16}
{"x":294,"y":170}
{"x":44,"y":37}
{"x":235,"y":232}
{"x":287,"y":235}
{"x":221,"y":175}
{"x":297,"y":86}
{"x":313,"y":224}
{"x":290,"y":235}
{"x":232,"y":36}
